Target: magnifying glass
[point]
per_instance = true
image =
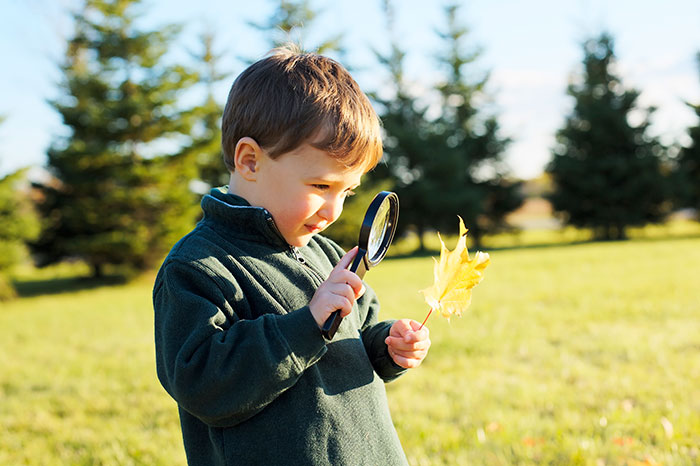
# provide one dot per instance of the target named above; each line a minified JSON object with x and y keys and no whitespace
{"x":376,"y":233}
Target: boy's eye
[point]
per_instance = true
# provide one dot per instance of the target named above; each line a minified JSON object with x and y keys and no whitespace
{"x":326,"y":187}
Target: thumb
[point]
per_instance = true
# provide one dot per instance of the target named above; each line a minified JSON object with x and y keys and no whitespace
{"x":400,"y":328}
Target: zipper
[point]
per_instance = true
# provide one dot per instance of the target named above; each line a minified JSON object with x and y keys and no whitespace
{"x":297,"y":255}
{"x":300,"y":259}
{"x":273,"y":225}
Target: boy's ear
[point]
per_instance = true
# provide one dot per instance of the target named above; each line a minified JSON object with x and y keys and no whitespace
{"x":247,"y":158}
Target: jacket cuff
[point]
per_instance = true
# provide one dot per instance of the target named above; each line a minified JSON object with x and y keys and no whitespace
{"x":303,"y":337}
{"x":382,"y":361}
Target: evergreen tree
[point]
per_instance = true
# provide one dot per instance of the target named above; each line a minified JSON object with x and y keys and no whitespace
{"x":607,"y":173}
{"x":18,"y":224}
{"x":291,"y":22}
{"x":688,"y":170}
{"x":473,"y":178}
{"x":122,"y":173}
{"x":207,"y":130}
{"x":409,"y":142}
{"x":451,"y":165}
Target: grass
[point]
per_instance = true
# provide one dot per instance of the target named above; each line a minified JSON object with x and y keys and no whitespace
{"x":78,"y":381}
{"x":586,"y":354}
{"x":574,"y":354}
{"x":545,"y":237}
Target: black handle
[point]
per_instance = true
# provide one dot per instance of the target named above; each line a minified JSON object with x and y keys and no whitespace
{"x":330,"y":326}
{"x":359,"y":267}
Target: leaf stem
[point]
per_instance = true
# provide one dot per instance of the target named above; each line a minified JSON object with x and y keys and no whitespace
{"x":426,"y":319}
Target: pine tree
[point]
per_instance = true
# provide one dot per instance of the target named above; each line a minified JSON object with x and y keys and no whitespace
{"x":121,"y":194}
{"x":450,"y":165}
{"x":409,"y":142}
{"x":688,"y":171}
{"x":474,"y":178}
{"x":18,"y":224}
{"x":607,"y":172}
{"x":291,"y":22}
{"x":207,"y":134}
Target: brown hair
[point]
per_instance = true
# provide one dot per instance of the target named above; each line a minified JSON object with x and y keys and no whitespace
{"x":290,"y":98}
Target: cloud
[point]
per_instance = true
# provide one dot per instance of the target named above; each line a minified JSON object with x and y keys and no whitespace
{"x":533,"y":103}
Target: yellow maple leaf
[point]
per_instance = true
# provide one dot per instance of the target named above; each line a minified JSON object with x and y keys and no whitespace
{"x":455,"y":276}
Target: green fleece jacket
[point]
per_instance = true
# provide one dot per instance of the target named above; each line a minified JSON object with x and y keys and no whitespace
{"x":238,"y":349}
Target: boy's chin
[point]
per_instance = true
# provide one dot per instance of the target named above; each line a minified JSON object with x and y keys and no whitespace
{"x":300,"y":241}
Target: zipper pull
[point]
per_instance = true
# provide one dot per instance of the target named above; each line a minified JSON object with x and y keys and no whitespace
{"x":297,"y":255}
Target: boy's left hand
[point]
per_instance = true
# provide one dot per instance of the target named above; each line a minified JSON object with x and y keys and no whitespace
{"x":407,"y":345}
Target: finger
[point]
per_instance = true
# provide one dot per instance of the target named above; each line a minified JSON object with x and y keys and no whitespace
{"x":361,"y":292}
{"x":342,"y":304}
{"x":417,"y":330}
{"x":417,"y":355}
{"x":344,"y":275}
{"x":400,"y":328}
{"x":350,"y":278}
{"x":417,"y":325}
{"x":417,"y":335}
{"x":399,"y":344}
{"x":346,"y":260}
{"x":408,"y":354}
{"x":407,"y":363}
{"x":346,"y":291}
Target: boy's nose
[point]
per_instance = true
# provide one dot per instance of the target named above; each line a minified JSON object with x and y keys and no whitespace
{"x":332,"y":208}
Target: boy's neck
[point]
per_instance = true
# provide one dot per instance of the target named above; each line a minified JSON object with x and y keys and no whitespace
{"x":234,"y":186}
{"x":243,"y":188}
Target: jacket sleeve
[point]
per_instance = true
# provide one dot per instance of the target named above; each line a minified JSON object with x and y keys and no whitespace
{"x":225,"y":373}
{"x":373,"y":335}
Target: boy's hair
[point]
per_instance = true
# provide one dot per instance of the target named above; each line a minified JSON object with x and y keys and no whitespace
{"x":290,"y":98}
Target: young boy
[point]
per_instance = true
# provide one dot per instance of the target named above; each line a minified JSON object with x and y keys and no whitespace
{"x":239,"y":302}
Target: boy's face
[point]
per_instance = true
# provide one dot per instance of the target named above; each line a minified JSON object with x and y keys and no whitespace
{"x":304,"y":190}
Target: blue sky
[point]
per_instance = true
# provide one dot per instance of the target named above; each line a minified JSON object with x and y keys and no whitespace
{"x":529,"y":47}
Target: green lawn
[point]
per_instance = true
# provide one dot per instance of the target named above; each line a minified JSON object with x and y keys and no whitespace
{"x":579,"y":354}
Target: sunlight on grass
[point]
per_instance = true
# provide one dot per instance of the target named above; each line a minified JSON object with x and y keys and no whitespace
{"x":78,"y":382}
{"x":581,"y":354}
{"x":569,"y":355}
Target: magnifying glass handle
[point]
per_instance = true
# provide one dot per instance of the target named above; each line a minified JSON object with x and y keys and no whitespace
{"x":330,"y":326}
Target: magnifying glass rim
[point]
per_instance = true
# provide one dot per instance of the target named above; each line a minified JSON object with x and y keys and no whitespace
{"x":362,"y":262}
{"x":379,"y":229}
{"x":367,"y":222}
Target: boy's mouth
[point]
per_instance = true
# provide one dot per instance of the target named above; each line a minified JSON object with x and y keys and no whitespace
{"x":315,"y":228}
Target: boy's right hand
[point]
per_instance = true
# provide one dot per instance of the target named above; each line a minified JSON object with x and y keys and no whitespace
{"x":338,"y":292}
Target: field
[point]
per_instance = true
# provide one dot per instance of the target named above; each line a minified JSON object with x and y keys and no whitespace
{"x":570,"y":354}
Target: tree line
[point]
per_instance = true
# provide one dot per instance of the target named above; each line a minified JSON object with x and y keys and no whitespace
{"x":126,"y":179}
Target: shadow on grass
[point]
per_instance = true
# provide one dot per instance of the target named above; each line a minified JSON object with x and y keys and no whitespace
{"x":30,"y":288}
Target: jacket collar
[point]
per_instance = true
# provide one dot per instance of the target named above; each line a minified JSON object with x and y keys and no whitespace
{"x":238,"y":217}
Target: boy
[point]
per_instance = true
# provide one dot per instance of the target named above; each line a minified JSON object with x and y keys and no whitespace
{"x":239,"y":302}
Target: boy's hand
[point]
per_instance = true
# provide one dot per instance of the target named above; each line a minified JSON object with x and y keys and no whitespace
{"x":407,"y":345}
{"x":338,"y":292}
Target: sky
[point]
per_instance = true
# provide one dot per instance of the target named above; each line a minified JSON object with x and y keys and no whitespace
{"x":529,"y":48}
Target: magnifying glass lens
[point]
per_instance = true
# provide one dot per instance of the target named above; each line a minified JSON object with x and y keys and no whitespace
{"x":378,"y":230}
